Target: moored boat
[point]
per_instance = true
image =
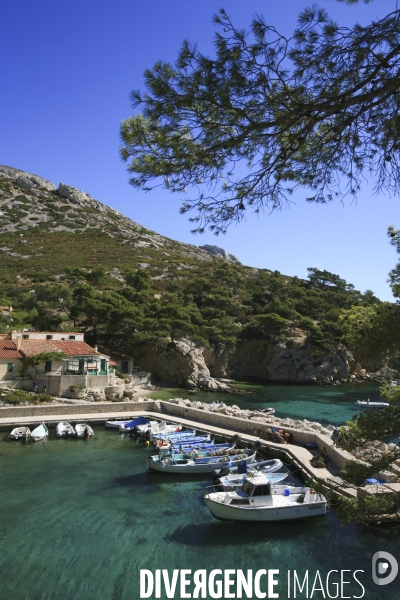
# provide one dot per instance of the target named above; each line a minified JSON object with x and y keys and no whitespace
{"x":196,"y":465}
{"x":234,"y":481}
{"x":64,"y":429}
{"x":260,"y":500}
{"x":201,"y":446}
{"x":83,"y":430}
{"x":20,"y":433}
{"x":174,"y":435}
{"x":134,"y":423}
{"x":369,"y":404}
{"x":183,"y":441}
{"x":267,"y":411}
{"x":40,"y":433}
{"x":115,"y":424}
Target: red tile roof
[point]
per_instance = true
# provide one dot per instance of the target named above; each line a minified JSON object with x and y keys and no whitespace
{"x":69,"y":347}
{"x":8,"y":349}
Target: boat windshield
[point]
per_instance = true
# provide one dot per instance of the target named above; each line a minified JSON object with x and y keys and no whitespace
{"x":247,"y":488}
{"x":262,"y":490}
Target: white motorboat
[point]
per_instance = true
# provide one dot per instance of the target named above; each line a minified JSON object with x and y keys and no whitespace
{"x":40,"y":433}
{"x":186,"y":466}
{"x":64,"y":429}
{"x":83,"y":430}
{"x":369,"y":404}
{"x":260,"y":500}
{"x":20,"y":433}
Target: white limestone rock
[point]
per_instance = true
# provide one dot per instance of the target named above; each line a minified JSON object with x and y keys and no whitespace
{"x":26,"y":180}
{"x":221,"y":253}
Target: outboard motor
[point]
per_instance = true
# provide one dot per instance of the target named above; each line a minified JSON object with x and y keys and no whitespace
{"x":222,"y":472}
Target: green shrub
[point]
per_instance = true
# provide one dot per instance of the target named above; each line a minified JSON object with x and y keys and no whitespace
{"x":41,"y":398}
{"x":18,"y":397}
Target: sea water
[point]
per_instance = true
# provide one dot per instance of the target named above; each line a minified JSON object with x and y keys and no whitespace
{"x":325,"y":404}
{"x":80,"y":518}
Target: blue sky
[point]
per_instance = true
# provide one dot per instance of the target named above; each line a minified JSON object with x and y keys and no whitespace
{"x":67,"y":70}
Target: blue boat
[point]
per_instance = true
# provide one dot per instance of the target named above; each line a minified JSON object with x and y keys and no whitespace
{"x":175,"y":435}
{"x":200,"y":447}
{"x":204,"y":439}
{"x":184,"y":466}
{"x":138,"y":421}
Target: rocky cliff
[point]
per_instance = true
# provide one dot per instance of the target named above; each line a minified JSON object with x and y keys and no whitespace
{"x":293,"y":361}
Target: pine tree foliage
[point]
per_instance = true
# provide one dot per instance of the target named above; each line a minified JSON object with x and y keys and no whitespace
{"x":268,"y":115}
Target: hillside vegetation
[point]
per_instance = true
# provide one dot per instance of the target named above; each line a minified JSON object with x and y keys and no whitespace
{"x":69,"y":262}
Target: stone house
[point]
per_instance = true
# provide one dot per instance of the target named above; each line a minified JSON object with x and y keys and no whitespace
{"x":83,"y":366}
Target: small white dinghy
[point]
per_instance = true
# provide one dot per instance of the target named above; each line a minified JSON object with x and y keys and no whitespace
{"x":20,"y":433}
{"x":369,"y":404}
{"x":65,"y":429}
{"x":40,"y":433}
{"x":83,"y":430}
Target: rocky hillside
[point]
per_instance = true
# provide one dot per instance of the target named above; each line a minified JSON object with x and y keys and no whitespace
{"x":188,"y":314}
{"x":32,"y":209}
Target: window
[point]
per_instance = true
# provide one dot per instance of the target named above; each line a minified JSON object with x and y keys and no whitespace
{"x":71,"y":337}
{"x":47,"y":366}
{"x":262,"y":490}
{"x":25,"y":336}
{"x":124,"y":366}
{"x":10,"y":367}
{"x":49,"y":337}
{"x":103,"y":365}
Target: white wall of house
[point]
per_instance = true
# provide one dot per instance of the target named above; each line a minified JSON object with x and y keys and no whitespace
{"x":8,"y":368}
{"x":45,"y":335}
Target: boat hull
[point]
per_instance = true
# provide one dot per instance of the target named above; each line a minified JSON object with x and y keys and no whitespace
{"x":40,"y":433}
{"x":224,"y":512}
{"x":285,"y":503}
{"x":65,"y":429}
{"x":20,"y":433}
{"x":83,"y":430}
{"x":190,"y":467}
{"x":364,"y":404}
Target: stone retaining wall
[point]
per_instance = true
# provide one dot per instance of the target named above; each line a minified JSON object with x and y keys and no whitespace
{"x":92,"y":408}
{"x":338,"y":456}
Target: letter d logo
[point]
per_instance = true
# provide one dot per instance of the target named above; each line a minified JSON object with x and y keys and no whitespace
{"x":380,"y":568}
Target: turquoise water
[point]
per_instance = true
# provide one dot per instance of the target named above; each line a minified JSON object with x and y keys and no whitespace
{"x":325,"y":404}
{"x":80,"y":518}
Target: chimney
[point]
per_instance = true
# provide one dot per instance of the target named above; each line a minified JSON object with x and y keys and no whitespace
{"x":96,"y":348}
{"x":18,"y":343}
